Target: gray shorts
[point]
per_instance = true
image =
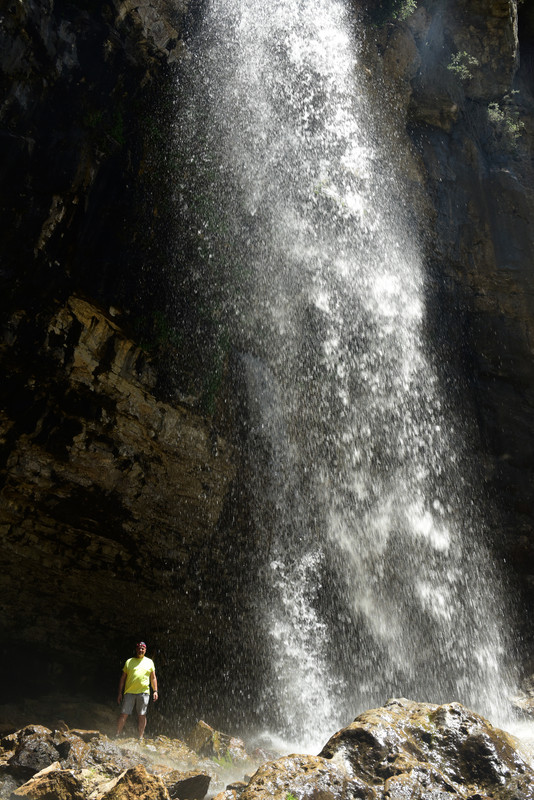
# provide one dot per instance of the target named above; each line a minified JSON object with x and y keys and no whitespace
{"x":140,"y":701}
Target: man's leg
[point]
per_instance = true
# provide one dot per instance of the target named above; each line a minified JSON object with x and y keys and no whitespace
{"x":141,"y":705}
{"x":141,"y":725}
{"x":120,"y":723}
{"x":126,"y":709}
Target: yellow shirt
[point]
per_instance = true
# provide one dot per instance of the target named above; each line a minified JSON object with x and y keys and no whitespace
{"x":138,"y":672}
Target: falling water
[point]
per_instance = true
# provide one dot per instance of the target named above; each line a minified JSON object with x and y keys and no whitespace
{"x":374,"y":580}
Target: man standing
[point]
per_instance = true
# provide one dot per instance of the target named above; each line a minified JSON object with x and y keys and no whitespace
{"x":138,"y":674}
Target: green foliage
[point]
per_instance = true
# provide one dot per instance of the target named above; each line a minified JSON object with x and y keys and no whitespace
{"x":505,"y":121}
{"x":291,"y":796}
{"x":106,"y":126}
{"x":225,"y":760}
{"x":406,"y":8}
{"x":462,"y":64}
{"x":117,"y":127}
{"x":93,"y":119}
{"x":385,"y":11}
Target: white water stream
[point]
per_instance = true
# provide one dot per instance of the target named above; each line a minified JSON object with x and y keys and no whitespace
{"x":375,"y":580}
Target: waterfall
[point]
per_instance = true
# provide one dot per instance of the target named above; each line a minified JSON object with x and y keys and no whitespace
{"x":374,"y":582}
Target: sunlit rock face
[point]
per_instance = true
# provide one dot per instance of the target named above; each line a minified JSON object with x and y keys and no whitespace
{"x":403,"y":750}
{"x":408,"y":748}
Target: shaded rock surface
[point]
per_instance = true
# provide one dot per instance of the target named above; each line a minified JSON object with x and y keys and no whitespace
{"x":105,"y":488}
{"x":186,"y":785}
{"x":115,"y":477}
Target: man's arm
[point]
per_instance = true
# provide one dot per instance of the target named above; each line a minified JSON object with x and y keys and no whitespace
{"x":154,"y":682}
{"x":121,"y":687}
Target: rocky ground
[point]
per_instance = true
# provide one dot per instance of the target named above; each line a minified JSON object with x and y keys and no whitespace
{"x":57,"y":761}
{"x":402,"y":751}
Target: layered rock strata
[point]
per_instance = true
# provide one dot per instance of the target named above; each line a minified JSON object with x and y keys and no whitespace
{"x":110,"y":500}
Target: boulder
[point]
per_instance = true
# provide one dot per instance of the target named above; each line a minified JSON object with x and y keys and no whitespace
{"x":408,"y":749}
{"x":304,"y":778}
{"x":134,"y":784}
{"x":34,"y":753}
{"x":403,"y":751}
{"x":208,"y":742}
{"x":9,"y":744}
{"x":51,"y":783}
{"x":72,"y":748}
{"x":154,"y":18}
{"x":190,"y":785}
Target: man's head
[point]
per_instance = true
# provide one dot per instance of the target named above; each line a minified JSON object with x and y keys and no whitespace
{"x":140,"y":649}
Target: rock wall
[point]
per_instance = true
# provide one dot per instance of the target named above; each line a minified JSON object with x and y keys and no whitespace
{"x":110,"y":508}
{"x":118,"y":510}
{"x":123,"y":495}
{"x":466,"y":77}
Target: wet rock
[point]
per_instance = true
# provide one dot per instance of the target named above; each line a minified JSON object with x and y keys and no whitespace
{"x":524,"y":703}
{"x":305,"y":778}
{"x":403,"y":751}
{"x":51,"y":783}
{"x":524,"y":699}
{"x":134,"y":784}
{"x":34,"y":752}
{"x":208,"y":742}
{"x":10,"y":742}
{"x":73,"y":750}
{"x":401,"y":61}
{"x":155,"y":18}
{"x":237,"y":786}
{"x":187,"y":785}
{"x":471,"y":115}
{"x":108,"y":757}
{"x":35,"y":748}
{"x":86,"y":736}
{"x":419,"y":747}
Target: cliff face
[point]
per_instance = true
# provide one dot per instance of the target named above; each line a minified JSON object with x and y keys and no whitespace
{"x":115,"y":487}
{"x":111,"y":503}
{"x":122,"y":507}
{"x":470,"y":115}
